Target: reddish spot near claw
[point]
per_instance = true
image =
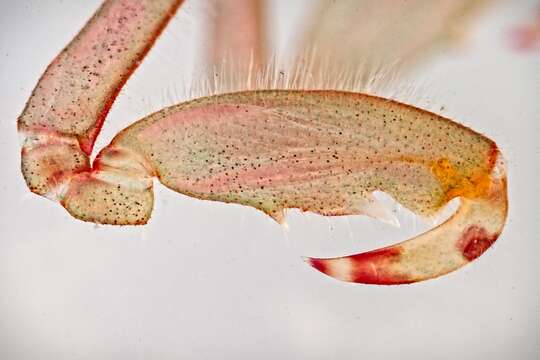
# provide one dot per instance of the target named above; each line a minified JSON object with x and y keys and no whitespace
{"x":474,"y":241}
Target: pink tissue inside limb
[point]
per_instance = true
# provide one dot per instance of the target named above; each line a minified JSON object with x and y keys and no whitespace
{"x":78,"y":88}
{"x":284,"y":157}
{"x":318,"y":151}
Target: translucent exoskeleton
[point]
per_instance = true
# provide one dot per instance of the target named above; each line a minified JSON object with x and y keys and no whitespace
{"x":318,"y":150}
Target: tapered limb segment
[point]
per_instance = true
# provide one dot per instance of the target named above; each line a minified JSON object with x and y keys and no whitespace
{"x":71,"y":100}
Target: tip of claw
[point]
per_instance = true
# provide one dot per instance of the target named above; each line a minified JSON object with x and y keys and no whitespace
{"x":373,"y":267}
{"x":315,"y":263}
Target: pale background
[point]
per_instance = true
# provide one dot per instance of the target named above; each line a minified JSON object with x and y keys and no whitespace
{"x":212,"y":281}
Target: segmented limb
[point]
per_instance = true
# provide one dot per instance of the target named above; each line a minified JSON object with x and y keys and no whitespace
{"x":66,"y":110}
{"x":319,"y":151}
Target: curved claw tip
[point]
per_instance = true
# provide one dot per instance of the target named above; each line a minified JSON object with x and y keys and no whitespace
{"x":373,"y":267}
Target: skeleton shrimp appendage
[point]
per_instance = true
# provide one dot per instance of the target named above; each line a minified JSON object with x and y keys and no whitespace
{"x":323,"y":151}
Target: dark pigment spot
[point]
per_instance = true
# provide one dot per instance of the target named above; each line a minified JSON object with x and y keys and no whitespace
{"x":474,"y":241}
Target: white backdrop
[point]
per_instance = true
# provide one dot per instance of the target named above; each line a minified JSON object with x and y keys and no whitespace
{"x":208,"y":280}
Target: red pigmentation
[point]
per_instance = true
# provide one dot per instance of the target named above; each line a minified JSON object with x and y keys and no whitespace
{"x":318,"y":264}
{"x":474,"y":241}
{"x":374,"y":267}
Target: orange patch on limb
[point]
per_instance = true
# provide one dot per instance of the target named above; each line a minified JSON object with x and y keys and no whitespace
{"x":454,"y":184}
